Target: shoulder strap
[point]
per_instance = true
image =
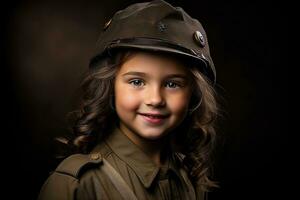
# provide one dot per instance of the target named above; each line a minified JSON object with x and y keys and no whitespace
{"x":74,"y":164}
{"x":118,"y":181}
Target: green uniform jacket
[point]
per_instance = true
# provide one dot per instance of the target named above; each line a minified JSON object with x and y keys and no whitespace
{"x":81,"y":176}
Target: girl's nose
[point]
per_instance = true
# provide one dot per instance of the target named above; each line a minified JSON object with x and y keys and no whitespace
{"x":154,"y":97}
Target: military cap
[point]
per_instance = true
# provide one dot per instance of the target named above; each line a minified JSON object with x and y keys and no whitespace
{"x":157,"y":26}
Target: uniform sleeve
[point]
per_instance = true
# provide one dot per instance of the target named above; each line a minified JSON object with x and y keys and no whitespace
{"x":59,"y":186}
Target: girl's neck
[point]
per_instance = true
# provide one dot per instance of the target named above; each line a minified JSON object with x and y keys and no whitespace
{"x":155,"y":149}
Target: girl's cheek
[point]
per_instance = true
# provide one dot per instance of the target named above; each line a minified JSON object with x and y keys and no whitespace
{"x":127,"y":100}
{"x":179,"y":103}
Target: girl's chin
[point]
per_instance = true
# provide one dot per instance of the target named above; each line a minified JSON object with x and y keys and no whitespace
{"x":152,"y":136}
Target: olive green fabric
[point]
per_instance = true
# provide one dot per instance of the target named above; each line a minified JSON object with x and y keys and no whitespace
{"x":157,"y":26}
{"x":82,"y":176}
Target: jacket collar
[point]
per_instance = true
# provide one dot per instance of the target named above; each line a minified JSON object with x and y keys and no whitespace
{"x":131,"y":154}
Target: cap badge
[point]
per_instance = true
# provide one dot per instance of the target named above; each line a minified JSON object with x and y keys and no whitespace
{"x":199,"y":38}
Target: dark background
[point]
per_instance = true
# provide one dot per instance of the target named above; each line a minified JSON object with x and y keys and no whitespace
{"x":46,"y":48}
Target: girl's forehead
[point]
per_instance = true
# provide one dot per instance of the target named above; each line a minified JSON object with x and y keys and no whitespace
{"x":149,"y":62}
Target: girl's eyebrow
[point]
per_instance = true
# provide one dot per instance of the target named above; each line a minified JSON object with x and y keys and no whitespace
{"x":135,"y":74}
{"x":185,"y":77}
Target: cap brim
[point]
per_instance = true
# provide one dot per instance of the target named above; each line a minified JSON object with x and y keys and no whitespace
{"x":163,"y":46}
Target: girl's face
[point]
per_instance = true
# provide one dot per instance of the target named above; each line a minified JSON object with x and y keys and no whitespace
{"x":152,"y":94}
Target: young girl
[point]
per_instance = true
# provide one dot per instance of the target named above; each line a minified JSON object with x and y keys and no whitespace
{"x":145,"y":126}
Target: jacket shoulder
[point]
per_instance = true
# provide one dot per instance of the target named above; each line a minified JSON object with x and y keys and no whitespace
{"x":77,"y":164}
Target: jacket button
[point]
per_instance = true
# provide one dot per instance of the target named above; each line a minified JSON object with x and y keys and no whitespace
{"x":95,"y":156}
{"x":199,"y":38}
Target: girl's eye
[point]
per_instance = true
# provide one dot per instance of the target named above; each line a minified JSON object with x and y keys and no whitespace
{"x":172,"y":84}
{"x":136,"y":83}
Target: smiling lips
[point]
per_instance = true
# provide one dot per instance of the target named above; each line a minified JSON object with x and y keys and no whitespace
{"x":154,"y":119}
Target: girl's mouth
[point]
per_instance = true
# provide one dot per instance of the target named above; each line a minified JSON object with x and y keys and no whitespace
{"x":154,"y":119}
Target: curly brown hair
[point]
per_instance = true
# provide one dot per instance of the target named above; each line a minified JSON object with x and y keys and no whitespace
{"x":95,"y":116}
